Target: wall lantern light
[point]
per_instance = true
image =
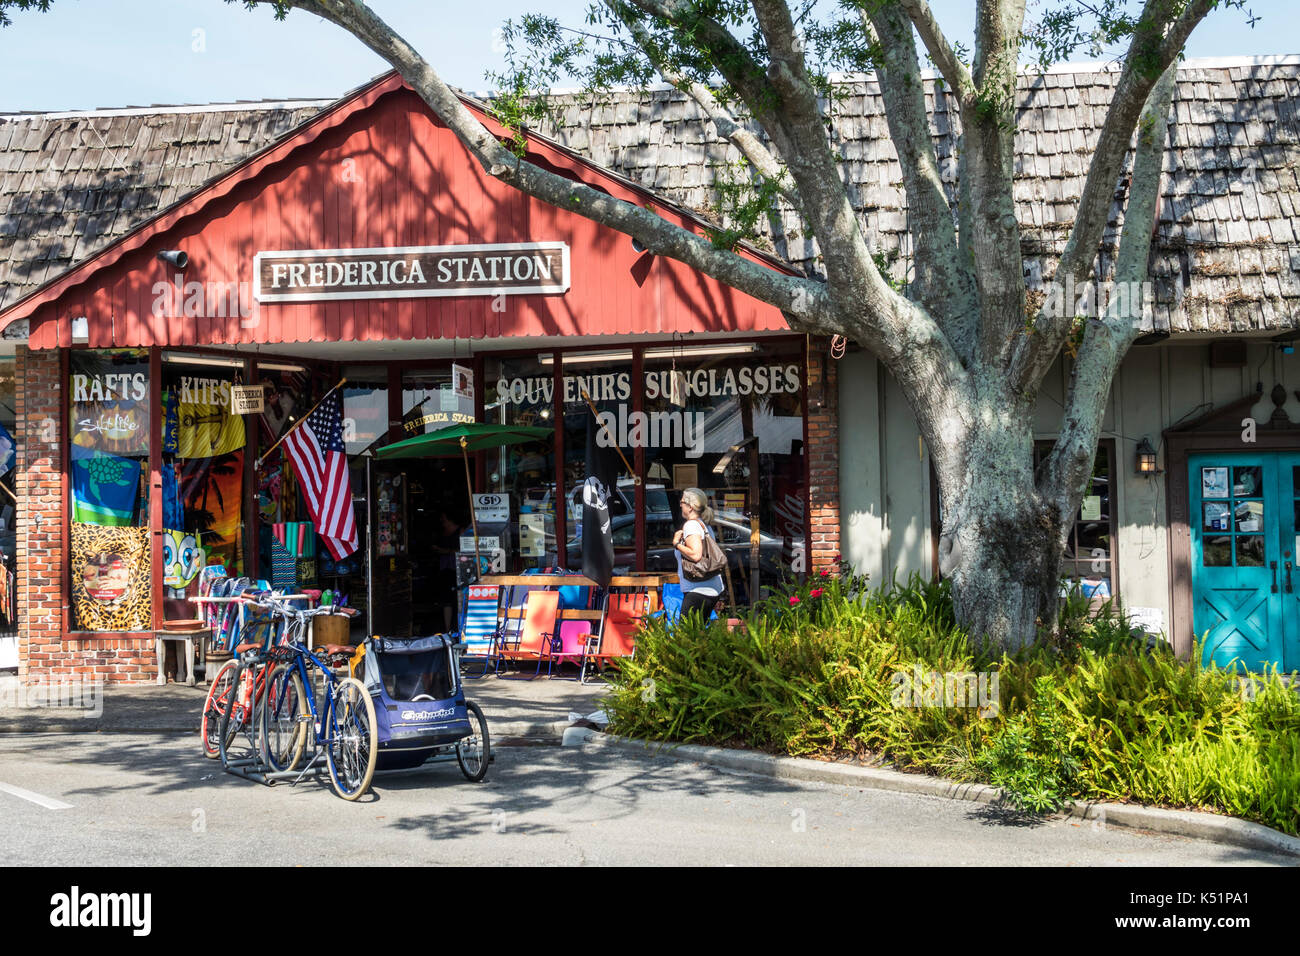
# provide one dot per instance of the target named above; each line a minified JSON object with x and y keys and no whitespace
{"x":1146,"y":459}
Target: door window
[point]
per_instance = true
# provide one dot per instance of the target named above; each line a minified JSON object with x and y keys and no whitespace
{"x":1232,"y":516}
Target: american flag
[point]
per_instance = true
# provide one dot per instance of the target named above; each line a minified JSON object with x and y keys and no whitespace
{"x":316,"y":449}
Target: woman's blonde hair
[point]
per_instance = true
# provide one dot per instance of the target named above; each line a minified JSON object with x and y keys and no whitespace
{"x":700,"y":502}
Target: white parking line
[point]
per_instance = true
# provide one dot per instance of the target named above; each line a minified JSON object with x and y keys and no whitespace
{"x":49,"y":803}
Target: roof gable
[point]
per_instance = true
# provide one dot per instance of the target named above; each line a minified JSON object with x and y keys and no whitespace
{"x":376,"y":170}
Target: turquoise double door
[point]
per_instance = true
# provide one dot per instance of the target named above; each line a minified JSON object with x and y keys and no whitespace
{"x":1245,"y":522}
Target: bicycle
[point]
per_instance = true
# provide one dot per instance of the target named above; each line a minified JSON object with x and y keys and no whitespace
{"x":287,"y":716}
{"x":223,"y":684}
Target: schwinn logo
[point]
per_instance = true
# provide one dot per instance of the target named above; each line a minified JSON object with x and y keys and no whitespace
{"x":427,"y":714}
{"x":76,"y":909}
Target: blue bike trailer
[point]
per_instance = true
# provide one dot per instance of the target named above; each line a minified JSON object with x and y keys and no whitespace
{"x":419,"y":703}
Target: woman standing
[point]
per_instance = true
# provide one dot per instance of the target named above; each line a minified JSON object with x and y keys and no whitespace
{"x":689,"y":544}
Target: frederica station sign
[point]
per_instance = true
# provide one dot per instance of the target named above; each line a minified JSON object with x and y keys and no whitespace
{"x":314,"y":275}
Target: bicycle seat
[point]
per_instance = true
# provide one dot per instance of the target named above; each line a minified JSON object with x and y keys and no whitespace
{"x":332,"y":649}
{"x":248,"y":646}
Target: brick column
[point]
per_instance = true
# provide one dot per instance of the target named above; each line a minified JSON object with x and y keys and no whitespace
{"x":823,"y":456}
{"x":40,"y":545}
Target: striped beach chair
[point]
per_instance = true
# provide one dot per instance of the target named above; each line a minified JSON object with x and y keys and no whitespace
{"x":478,"y":629}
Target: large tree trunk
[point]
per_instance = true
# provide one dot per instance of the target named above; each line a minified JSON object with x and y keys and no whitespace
{"x":1000,"y":545}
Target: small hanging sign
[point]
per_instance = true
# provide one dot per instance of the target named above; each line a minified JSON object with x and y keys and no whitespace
{"x":247,"y":400}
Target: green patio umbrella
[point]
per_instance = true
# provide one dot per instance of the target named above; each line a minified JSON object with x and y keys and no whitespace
{"x":465,"y":438}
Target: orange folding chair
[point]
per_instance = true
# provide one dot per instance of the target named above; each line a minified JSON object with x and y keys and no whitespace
{"x":623,"y":616}
{"x":532,"y":642}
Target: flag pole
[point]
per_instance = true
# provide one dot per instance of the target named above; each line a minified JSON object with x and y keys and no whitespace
{"x":262,"y":457}
{"x":473,"y":518}
{"x":636,"y":479}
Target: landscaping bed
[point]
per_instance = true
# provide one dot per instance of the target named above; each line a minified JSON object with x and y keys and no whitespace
{"x":831,"y":669}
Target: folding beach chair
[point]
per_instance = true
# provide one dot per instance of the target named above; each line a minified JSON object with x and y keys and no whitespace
{"x":624,"y":614}
{"x":575,"y":639}
{"x":479,"y":624}
{"x":538,"y":627}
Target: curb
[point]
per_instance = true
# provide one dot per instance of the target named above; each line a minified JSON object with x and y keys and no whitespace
{"x":1184,"y":823}
{"x":88,"y":725}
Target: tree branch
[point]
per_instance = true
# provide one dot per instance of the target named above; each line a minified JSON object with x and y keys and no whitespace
{"x":749,"y":145}
{"x":1108,"y":338}
{"x":852,"y":276}
{"x":1155,"y":41}
{"x":802,"y":299}
{"x":987,"y":179}
{"x":943,"y":54}
{"x":941,"y":283}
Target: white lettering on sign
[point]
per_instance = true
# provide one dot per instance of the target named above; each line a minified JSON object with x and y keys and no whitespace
{"x":617,"y":386}
{"x":499,"y":269}
{"x":110,"y":387}
{"x":205,"y":391}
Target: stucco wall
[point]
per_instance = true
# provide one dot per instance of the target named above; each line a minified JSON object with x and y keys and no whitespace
{"x":885,"y":486}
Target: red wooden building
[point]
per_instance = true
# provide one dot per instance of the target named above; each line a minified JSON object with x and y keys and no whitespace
{"x":368,"y":244}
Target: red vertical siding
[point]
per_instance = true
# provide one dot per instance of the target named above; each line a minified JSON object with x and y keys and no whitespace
{"x":389,"y":174}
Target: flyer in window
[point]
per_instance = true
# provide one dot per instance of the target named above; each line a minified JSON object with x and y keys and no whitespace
{"x":532,"y":535}
{"x":1250,"y":516}
{"x":1214,"y":482}
{"x":1216,"y":516}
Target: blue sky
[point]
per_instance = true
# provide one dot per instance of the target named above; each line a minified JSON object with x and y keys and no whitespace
{"x":86,"y":54}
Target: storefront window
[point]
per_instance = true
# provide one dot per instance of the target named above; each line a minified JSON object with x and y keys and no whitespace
{"x":365,"y":408}
{"x":520,"y":391}
{"x":435,"y":398}
{"x":728,"y":420}
{"x":600,"y":441}
{"x":1089,"y":553}
{"x":204,"y":447}
{"x":109,"y":426}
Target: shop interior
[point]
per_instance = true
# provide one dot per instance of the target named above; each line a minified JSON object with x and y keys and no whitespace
{"x":728,"y":419}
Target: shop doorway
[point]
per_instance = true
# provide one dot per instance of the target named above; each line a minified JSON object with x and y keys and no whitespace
{"x":1245,"y":524}
{"x":418,"y":514}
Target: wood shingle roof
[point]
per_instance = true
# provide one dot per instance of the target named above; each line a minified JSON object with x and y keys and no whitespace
{"x":1226,"y":257}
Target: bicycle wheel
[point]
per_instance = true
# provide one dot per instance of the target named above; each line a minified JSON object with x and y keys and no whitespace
{"x":236,"y":717}
{"x":352,"y":752}
{"x":474,"y":752}
{"x":283,"y":732}
{"x":222,"y":681}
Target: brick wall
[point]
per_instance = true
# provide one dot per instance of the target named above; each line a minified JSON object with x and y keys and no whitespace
{"x":823,"y":456}
{"x":45,"y":650}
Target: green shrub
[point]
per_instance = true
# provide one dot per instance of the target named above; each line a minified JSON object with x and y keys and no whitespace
{"x":1098,"y":716}
{"x":1032,"y":756}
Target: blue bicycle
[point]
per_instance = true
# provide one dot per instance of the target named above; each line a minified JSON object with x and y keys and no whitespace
{"x":287,"y":719}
